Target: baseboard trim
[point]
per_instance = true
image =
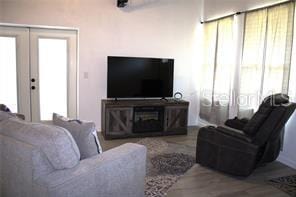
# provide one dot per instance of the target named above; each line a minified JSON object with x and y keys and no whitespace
{"x":193,"y":126}
{"x":189,"y":127}
{"x":286,"y":160}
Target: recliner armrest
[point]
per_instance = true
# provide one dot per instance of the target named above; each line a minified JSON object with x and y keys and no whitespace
{"x":216,"y":136}
{"x":237,"y":123}
{"x":234,"y":133}
{"x":226,"y":151}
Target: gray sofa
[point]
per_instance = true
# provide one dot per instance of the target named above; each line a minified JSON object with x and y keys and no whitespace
{"x":44,"y":161}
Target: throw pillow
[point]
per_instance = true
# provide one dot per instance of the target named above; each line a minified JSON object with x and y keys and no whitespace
{"x":84,"y":133}
{"x":4,"y":108}
{"x":6,"y":115}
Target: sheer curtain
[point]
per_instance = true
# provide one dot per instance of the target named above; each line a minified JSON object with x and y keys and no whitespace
{"x":216,"y":70}
{"x":267,"y":54}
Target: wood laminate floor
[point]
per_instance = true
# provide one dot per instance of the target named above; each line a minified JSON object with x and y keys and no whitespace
{"x":204,"y":182}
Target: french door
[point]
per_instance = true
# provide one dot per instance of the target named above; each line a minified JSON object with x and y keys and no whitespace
{"x":38,"y":71}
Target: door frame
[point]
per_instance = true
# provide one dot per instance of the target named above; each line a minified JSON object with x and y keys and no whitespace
{"x":27,"y":83}
{"x":23,"y":66}
{"x":70,"y":36}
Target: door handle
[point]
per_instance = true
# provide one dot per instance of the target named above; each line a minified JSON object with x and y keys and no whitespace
{"x":33,"y":80}
{"x":33,"y":87}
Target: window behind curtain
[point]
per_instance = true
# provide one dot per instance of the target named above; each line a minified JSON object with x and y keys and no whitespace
{"x":266,"y":55}
{"x":216,"y":70}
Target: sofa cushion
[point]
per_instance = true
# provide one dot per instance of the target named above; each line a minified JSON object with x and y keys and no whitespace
{"x":56,"y":143}
{"x":83,"y":132}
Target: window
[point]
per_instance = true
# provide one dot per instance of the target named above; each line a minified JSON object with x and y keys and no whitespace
{"x":266,"y":55}
{"x":217,"y":67}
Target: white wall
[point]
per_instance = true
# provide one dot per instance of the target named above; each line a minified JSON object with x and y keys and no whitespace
{"x":1,"y":8}
{"x":153,"y":28}
{"x":218,"y":8}
{"x":288,"y":155}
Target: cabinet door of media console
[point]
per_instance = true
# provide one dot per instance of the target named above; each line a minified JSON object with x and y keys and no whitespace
{"x":176,"y":119}
{"x":119,"y":121}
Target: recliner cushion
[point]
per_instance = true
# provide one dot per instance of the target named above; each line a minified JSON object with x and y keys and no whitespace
{"x":236,"y":123}
{"x":275,"y":118}
{"x":276,"y":99}
{"x":257,"y":120}
{"x":55,"y":142}
{"x":269,"y":103}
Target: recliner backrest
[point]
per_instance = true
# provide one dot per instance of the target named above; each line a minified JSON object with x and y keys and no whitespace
{"x":272,"y":127}
{"x":265,"y":109}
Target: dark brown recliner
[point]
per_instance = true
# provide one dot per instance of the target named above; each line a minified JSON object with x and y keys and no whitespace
{"x":242,"y":145}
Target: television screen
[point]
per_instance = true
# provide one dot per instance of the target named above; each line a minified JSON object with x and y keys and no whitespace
{"x":133,"y":77}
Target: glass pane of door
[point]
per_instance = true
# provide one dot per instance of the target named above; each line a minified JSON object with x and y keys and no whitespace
{"x":53,"y":63}
{"x":8,"y":73}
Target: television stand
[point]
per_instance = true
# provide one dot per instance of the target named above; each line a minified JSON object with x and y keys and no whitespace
{"x":164,"y":99}
{"x":143,"y":118}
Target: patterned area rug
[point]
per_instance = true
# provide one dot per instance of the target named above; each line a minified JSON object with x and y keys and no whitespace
{"x":286,"y":184}
{"x":166,"y":163}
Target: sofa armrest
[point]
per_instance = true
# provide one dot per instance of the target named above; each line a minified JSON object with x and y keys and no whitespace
{"x":118,"y":172}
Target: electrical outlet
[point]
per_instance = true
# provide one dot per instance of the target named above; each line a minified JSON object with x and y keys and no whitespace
{"x":85,"y":75}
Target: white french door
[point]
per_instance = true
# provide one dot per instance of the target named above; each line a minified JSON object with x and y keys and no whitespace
{"x":53,"y":73}
{"x":38,"y":71}
{"x":15,"y":70}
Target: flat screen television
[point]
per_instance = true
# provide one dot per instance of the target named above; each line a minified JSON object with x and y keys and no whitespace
{"x":134,"y":77}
